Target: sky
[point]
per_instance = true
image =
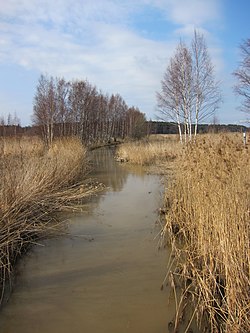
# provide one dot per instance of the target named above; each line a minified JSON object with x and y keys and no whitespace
{"x":121,"y":46}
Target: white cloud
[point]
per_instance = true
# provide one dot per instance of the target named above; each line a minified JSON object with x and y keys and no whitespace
{"x":92,"y":39}
{"x":185,"y":12}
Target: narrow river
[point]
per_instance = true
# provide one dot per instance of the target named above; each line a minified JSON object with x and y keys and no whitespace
{"x":106,"y":276}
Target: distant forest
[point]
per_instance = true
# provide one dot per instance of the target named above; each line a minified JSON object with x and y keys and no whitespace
{"x":162,"y":127}
{"x":150,"y":127}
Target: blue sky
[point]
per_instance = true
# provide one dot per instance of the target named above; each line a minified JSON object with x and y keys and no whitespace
{"x":119,"y":46}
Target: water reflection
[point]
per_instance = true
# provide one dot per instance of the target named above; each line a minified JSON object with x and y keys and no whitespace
{"x":107,"y":170}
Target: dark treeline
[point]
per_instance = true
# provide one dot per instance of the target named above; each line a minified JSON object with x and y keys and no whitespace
{"x":162,"y":127}
{"x":148,"y":127}
{"x":77,"y":108}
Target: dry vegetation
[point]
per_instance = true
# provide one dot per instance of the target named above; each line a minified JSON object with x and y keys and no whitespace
{"x":207,"y":219}
{"x":35,"y":183}
{"x":153,"y":151}
{"x":206,"y":222}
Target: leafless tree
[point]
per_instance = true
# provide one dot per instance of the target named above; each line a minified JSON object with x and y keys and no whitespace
{"x":189,"y":92}
{"x":175,"y":98}
{"x":242,"y":75}
{"x":135,"y":123}
{"x":11,"y":126}
{"x":206,"y":88}
{"x":62,"y":88}
{"x":44,"y":110}
{"x":80,"y":102}
{"x":117,"y":115}
{"x":77,"y":108}
{"x":168,"y":98}
{"x":184,"y":81}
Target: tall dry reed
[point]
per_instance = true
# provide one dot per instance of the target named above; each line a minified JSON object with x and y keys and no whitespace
{"x":153,"y":151}
{"x":35,"y":183}
{"x":208,"y":221}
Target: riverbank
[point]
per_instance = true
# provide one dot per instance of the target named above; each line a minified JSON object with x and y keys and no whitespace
{"x":206,"y":218}
{"x":156,"y":154}
{"x":36,"y":183}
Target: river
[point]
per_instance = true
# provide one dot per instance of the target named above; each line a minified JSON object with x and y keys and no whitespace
{"x":106,"y":276}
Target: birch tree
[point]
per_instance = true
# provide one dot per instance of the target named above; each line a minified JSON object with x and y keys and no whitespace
{"x":175,"y":98}
{"x":189,"y":92}
{"x":206,"y":89}
{"x":44,"y":110}
{"x":135,"y":123}
{"x":242,"y":75}
{"x":184,"y":81}
{"x":168,"y":97}
{"x":62,"y":98}
{"x":77,"y":108}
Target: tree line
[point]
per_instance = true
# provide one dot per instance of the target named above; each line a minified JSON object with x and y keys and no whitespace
{"x":163,"y":127}
{"x":9,"y":125}
{"x":66,"y":108}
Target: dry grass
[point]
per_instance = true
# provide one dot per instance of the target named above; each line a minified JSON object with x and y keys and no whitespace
{"x":155,"y":150}
{"x":207,"y":219}
{"x":35,"y":183}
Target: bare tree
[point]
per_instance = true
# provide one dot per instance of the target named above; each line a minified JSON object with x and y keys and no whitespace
{"x":77,"y":108}
{"x":62,"y":114}
{"x":184,"y":81}
{"x":117,"y":114}
{"x":242,"y":75}
{"x":168,"y":97}
{"x":206,"y":89}
{"x":135,"y":123}
{"x":9,"y":119}
{"x":81,"y":103}
{"x":102,"y":134}
{"x":44,"y":110}
{"x":175,"y":99}
{"x":189,"y":92}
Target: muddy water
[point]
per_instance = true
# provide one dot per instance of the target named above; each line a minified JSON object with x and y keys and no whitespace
{"x":105,"y":277}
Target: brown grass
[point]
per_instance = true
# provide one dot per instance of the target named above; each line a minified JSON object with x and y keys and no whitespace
{"x":208,"y":222}
{"x":155,"y":150}
{"x":35,"y":184}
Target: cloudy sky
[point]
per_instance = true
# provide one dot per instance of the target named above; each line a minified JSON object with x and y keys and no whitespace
{"x":121,"y":46}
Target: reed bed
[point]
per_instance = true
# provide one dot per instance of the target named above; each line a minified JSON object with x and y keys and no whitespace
{"x":35,"y":184}
{"x":155,"y":150}
{"x":207,"y":222}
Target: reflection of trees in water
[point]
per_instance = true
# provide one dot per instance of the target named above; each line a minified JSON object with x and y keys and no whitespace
{"x":107,"y":170}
